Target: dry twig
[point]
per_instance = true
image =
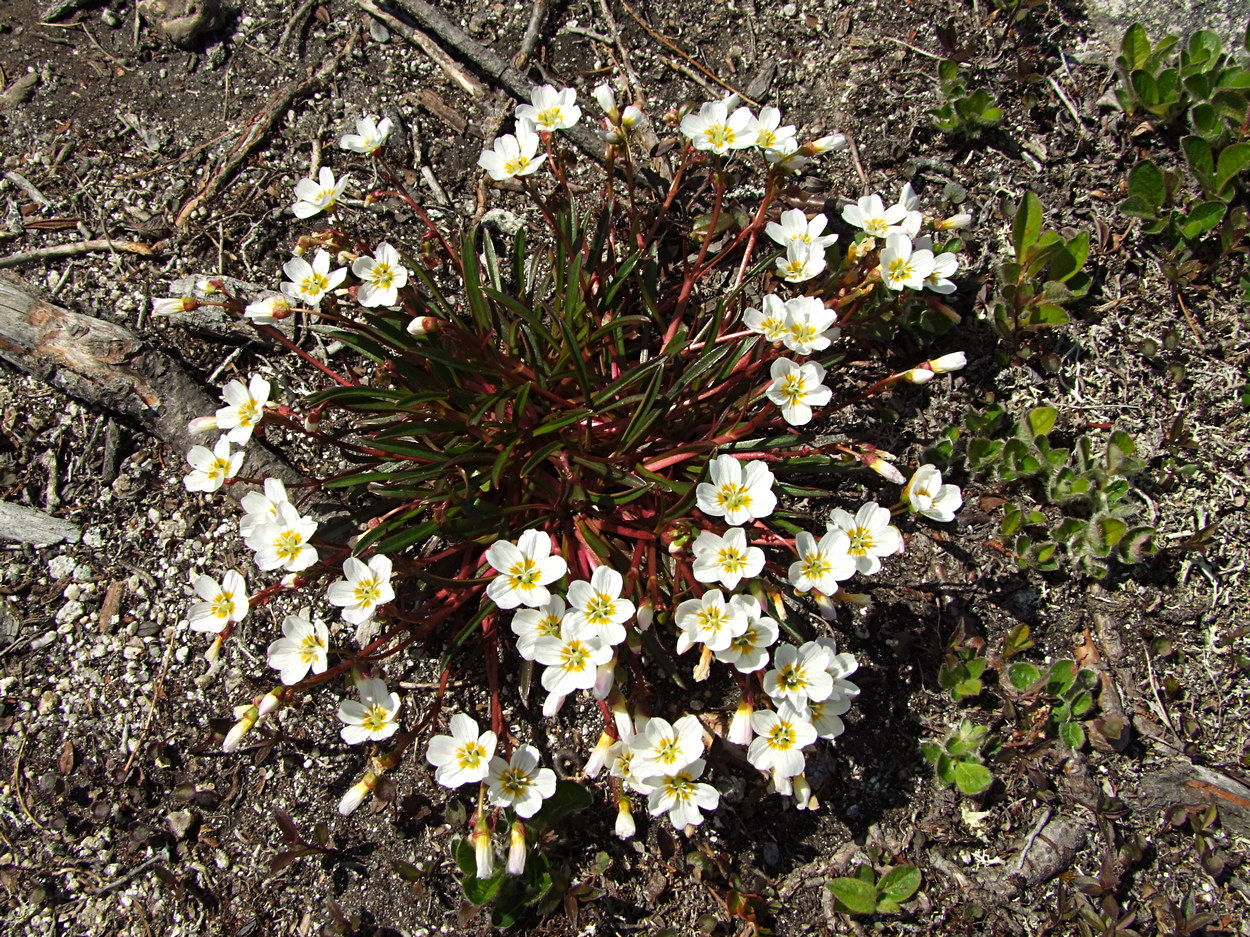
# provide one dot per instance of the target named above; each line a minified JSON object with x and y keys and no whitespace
{"x":426,"y":44}
{"x":78,"y":247}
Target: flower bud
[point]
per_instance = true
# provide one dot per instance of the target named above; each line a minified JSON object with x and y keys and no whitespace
{"x":483,"y":851}
{"x":606,"y":100}
{"x":954,"y":222}
{"x":952,"y":362}
{"x":630,"y":118}
{"x":645,"y":615}
{"x":423,"y":325}
{"x":829,"y":143}
{"x":780,"y":784}
{"x":270,"y":703}
{"x":740,"y":726}
{"x":202,"y":424}
{"x":704,"y":666}
{"x":357,"y":794}
{"x":620,"y":715}
{"x":552,"y":705}
{"x":214,"y":649}
{"x":802,"y":793}
{"x":249,"y":718}
{"x":918,"y":376}
{"x":861,"y":249}
{"x":605,"y":679}
{"x":598,"y":757}
{"x":516,"y":849}
{"x":883,"y":468}
{"x":625,"y":826}
{"x":168,"y":306}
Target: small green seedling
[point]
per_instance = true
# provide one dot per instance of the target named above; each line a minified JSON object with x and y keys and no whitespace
{"x":958,"y":758}
{"x":1065,"y":689}
{"x":864,"y":893}
{"x":965,"y":113}
{"x":961,"y":675}
{"x":1044,"y":277}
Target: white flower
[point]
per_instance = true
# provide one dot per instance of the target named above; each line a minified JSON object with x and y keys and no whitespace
{"x":841,"y":666}
{"x":944,"y":267}
{"x":728,"y":559}
{"x":383,"y":275}
{"x":524,"y":569}
{"x":270,"y":310}
{"x":625,"y":827}
{"x":261,"y":509}
{"x":709,"y":621}
{"x":826,"y":716}
{"x":871,"y":215}
{"x":802,"y":262}
{"x":245,"y":406}
{"x":870,"y":534}
{"x":322,"y":195}
{"x":663,"y":748}
{"x":520,"y":783}
{"x":302,"y":648}
{"x":370,"y":134}
{"x":796,"y":388}
{"x":901,"y":266}
{"x":738,"y":492}
{"x":796,"y":229}
{"x":605,"y":97}
{"x":550,"y":109}
{"x":768,"y":135}
{"x":681,"y":797}
{"x":572,"y":659}
{"x":598,"y":604}
{"x":780,"y":738}
{"x":821,"y":564}
{"x":910,"y":225}
{"x":925,"y":494}
{"x":462,"y":757}
{"x":222,"y":603}
{"x":213,"y":467}
{"x":365,"y":587}
{"x":748,"y":651}
{"x":715,"y":129}
{"x":530,"y":624}
{"x":799,"y":674}
{"x":310,"y":282}
{"x":284,"y":543}
{"x":787,"y":156}
{"x":513,"y":155}
{"x":809,"y":325}
{"x":373,"y":718}
{"x":621,"y":765}
{"x":770,"y":321}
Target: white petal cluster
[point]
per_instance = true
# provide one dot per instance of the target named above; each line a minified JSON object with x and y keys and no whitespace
{"x":710,"y":620}
{"x":373,"y":718}
{"x":310,"y":282}
{"x":520,"y":782}
{"x":382,"y":276}
{"x":795,"y":228}
{"x":822,"y":563}
{"x":663,"y":760}
{"x":244,"y":409}
{"x":925,"y":494}
{"x":598,"y":605}
{"x":549,"y":109}
{"x":283,"y":543}
{"x":525,"y":568}
{"x":513,"y":155}
{"x":739,"y":492}
{"x":870,"y":535}
{"x":212,"y":467}
{"x":222,"y":603}
{"x":796,"y":388}
{"x":748,"y":650}
{"x":715,"y":130}
{"x":726,"y":559}
{"x":364,"y":587}
{"x":464,"y":756}
{"x":321,"y":195}
{"x":370,"y":134}
{"x":303,"y":647}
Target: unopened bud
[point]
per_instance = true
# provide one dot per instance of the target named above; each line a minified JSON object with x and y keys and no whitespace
{"x":645,"y":615}
{"x":250,"y":716}
{"x":740,"y":732}
{"x":861,"y":249}
{"x":599,"y":756}
{"x":620,"y":715}
{"x":552,"y":704}
{"x":830,"y":143}
{"x":516,"y":849}
{"x":954,"y":222}
{"x":202,"y":424}
{"x":883,"y":468}
{"x":704,"y":666}
{"x":483,"y":851}
{"x":357,"y":794}
{"x":918,"y":376}
{"x":168,"y":306}
{"x":214,"y":650}
{"x":605,"y":679}
{"x":625,"y":826}
{"x":312,"y":421}
{"x":952,"y":362}
{"x":423,"y":325}
{"x":802,"y":793}
{"x":606,"y":100}
{"x":270,"y":703}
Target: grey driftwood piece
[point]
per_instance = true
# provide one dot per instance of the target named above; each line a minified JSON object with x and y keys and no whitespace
{"x":30,"y":525}
{"x":107,"y":366}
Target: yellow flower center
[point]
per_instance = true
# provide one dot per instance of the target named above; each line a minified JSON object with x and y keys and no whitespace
{"x":765,"y":139}
{"x":668,"y":751}
{"x":549,"y":626}
{"x":712,"y":620}
{"x":549,"y":117}
{"x":375,"y":719}
{"x":311,"y":648}
{"x":901,"y":268}
{"x":861,"y":540}
{"x":733,"y":496}
{"x":514,"y":782}
{"x":524,"y":574}
{"x":804,"y":333}
{"x":288,"y":544}
{"x":793,"y":388}
{"x":574,"y":656}
{"x":382,"y":275}
{"x":720,"y":136}
{"x":470,"y":755}
{"x":792,"y":677}
{"x":514,"y":167}
{"x":781,"y":736}
{"x":223,"y":605}
{"x":249,"y":413}
{"x":815,"y":565}
{"x":731,"y":560}
{"x":368,"y":591}
{"x":745,"y":641}
{"x":601,"y":610}
{"x":314,"y":284}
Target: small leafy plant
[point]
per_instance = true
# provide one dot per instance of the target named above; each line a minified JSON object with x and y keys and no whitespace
{"x":1045,"y":275}
{"x":958,"y":759}
{"x":864,"y":893}
{"x":1064,"y":695}
{"x":1074,"y":503}
{"x":965,"y":113}
{"x":960,"y":675}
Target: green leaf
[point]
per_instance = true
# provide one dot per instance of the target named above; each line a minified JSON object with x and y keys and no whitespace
{"x":1069,"y":259}
{"x":1041,"y":420}
{"x":1027,"y":225}
{"x":972,"y":778}
{"x":1201,"y":219}
{"x":856,"y":895}
{"x":1072,"y":734}
{"x":930,"y":751}
{"x":948,"y":70}
{"x":1203,"y":118}
{"x":569,"y":798}
{"x":1200,"y":159}
{"x":900,"y":883}
{"x":1135,"y":47}
{"x":1204,"y":45}
{"x":1023,"y":675}
{"x":945,"y":769}
{"x":1047,"y":314}
{"x":1146,"y":89}
{"x":1233,"y":159}
{"x":1061,"y":676}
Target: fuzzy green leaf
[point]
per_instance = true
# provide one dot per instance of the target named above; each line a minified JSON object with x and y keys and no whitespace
{"x":1135,"y":47}
{"x":1023,"y":675}
{"x":1233,"y":159}
{"x":856,"y":895}
{"x":972,"y":778}
{"x":1201,"y":219}
{"x":1072,"y":734}
{"x":1041,"y":420}
{"x":1027,"y":225}
{"x":900,"y":883}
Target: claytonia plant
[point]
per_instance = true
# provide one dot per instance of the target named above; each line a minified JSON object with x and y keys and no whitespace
{"x":589,"y":447}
